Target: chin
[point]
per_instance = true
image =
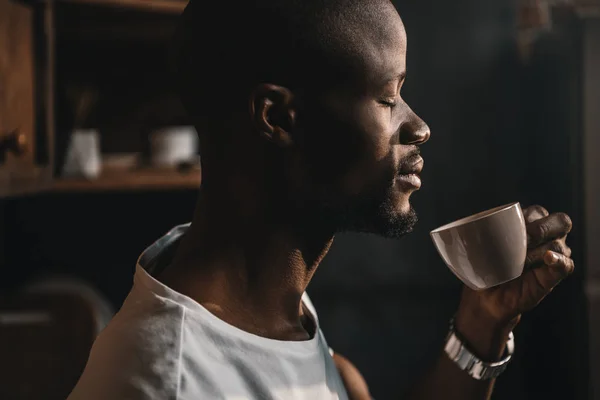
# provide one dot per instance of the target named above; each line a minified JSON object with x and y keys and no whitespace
{"x":403,"y":206}
{"x":396,"y":216}
{"x":388,"y":214}
{"x":397,"y":223}
{"x":390,"y":220}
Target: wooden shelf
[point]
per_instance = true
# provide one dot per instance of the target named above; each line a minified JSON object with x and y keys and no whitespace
{"x":131,"y":180}
{"x":158,"y":6}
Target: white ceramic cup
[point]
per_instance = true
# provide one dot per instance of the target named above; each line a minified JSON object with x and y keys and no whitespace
{"x":83,"y":157}
{"x":173,"y":145}
{"x":485,"y":249}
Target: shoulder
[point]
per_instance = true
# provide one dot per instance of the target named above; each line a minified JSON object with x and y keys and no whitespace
{"x":137,"y":356}
{"x":355,"y":384}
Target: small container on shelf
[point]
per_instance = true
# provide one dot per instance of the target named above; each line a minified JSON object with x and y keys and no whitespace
{"x":83,"y":159}
{"x":173,"y":145}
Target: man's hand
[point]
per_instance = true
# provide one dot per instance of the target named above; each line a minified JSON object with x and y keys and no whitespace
{"x":486,"y":317}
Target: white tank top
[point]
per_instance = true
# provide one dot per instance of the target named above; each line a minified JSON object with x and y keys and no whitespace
{"x":164,"y":345}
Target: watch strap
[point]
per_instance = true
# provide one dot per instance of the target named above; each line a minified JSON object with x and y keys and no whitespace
{"x":467,"y":361}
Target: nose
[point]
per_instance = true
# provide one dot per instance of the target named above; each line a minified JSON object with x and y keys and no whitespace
{"x":414,"y":131}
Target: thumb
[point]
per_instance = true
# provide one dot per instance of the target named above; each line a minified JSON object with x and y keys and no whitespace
{"x":558,"y":267}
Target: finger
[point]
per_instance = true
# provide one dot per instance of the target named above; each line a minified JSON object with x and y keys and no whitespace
{"x":535,"y":257}
{"x":557,"y":268}
{"x":535,"y":212}
{"x":537,"y":283}
{"x":548,"y":228}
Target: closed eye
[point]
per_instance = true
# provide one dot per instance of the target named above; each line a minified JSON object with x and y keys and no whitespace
{"x":387,"y":103}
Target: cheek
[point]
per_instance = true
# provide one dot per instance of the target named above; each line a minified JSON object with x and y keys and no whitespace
{"x":348,"y":151}
{"x":375,"y":161}
{"x":373,"y":126}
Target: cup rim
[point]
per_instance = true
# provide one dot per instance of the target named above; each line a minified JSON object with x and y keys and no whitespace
{"x":475,"y":217}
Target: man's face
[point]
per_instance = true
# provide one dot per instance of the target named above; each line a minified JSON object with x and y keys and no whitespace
{"x":360,"y":146}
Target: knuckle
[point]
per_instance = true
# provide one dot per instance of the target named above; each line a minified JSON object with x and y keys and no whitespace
{"x":542,"y":230}
{"x":533,"y":213}
{"x":557,"y":246}
{"x":566,"y":249}
{"x":539,"y":210}
{"x":567,"y":266}
{"x":565,"y":221}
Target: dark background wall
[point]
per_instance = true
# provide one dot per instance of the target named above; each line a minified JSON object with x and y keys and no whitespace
{"x":502,"y":131}
{"x":591,"y":118}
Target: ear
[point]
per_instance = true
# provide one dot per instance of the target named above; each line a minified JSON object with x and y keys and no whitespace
{"x":273,"y":113}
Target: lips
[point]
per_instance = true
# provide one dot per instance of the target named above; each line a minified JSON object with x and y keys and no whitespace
{"x":413,"y":166}
{"x":408,"y":175}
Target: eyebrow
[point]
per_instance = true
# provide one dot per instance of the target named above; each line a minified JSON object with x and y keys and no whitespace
{"x":399,"y":77}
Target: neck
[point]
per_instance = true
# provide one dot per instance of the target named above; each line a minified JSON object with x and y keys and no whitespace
{"x":247,"y":269}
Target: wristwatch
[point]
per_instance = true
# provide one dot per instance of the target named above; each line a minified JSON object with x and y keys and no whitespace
{"x":459,"y":353}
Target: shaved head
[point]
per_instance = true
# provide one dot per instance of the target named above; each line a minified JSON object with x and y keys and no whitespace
{"x":224,"y":50}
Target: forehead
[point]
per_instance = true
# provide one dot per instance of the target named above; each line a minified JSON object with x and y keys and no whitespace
{"x":381,"y":50}
{"x":365,"y":48}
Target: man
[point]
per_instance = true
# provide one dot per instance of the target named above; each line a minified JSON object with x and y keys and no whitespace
{"x":303,"y":134}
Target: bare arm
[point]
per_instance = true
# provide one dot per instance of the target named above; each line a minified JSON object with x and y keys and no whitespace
{"x":445,"y":380}
{"x":355,"y":384}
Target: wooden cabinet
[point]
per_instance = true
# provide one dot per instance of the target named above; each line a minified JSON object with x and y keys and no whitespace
{"x":19,"y":170}
{"x":32,"y":84}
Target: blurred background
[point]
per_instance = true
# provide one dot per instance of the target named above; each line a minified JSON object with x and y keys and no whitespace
{"x":97,"y":160}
